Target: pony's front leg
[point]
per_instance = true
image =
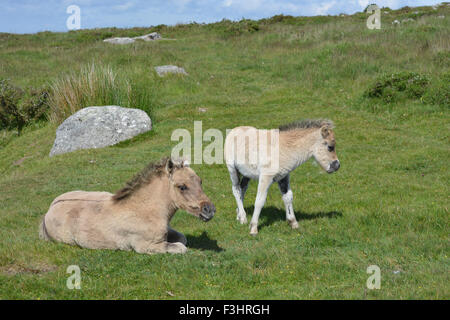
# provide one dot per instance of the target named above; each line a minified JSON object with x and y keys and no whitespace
{"x":263,"y":187}
{"x":175,"y":236}
{"x":160,"y":247}
{"x":287,"y":196}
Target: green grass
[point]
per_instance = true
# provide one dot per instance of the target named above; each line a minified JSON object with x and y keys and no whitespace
{"x":387,"y":205}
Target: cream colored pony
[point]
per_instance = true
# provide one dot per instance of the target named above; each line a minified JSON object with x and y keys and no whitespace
{"x":270,"y":155}
{"x":136,"y":218}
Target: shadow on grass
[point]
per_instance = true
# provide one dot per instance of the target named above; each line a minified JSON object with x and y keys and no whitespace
{"x":203,"y":242}
{"x":270,"y":215}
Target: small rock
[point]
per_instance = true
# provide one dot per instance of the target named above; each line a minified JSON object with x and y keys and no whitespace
{"x":395,"y":22}
{"x":202,"y":109}
{"x":164,"y":70}
{"x":149,"y":37}
{"x":126,"y":40}
{"x":118,"y":40}
{"x":441,"y":17}
{"x":408,"y":20}
{"x":170,"y":294}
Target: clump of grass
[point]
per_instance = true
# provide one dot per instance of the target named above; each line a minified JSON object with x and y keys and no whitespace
{"x":439,"y":92}
{"x":398,"y":86}
{"x":227,"y":28}
{"x":18,"y":107}
{"x":93,"y":86}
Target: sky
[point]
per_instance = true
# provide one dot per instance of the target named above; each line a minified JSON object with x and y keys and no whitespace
{"x":28,"y":16}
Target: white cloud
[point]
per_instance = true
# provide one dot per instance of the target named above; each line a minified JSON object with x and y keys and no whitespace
{"x":124,"y":7}
{"x":227,"y":3}
{"x":363,"y":3}
{"x":323,"y":8}
{"x":268,"y":6}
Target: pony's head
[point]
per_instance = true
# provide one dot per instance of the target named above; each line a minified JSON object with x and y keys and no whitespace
{"x":186,"y":190}
{"x":324,"y":151}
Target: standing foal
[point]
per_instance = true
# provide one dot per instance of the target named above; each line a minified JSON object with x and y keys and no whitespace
{"x":289,"y":147}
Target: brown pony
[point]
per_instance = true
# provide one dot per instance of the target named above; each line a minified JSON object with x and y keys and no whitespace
{"x":136,"y":218}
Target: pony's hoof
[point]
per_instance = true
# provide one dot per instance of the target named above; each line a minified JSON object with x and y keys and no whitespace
{"x":294,"y":225}
{"x":177,"y":247}
{"x":242,"y":220}
{"x":253,"y":230}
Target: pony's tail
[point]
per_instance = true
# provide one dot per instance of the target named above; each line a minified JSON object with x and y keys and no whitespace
{"x":43,"y":234}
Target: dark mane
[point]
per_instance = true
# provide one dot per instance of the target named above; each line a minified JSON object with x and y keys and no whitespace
{"x":307,"y":124}
{"x":152,"y":170}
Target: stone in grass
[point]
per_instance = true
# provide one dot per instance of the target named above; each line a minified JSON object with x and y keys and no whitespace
{"x":149,"y":37}
{"x":98,"y":127}
{"x":117,"y":40}
{"x":126,"y":40}
{"x":164,"y":70}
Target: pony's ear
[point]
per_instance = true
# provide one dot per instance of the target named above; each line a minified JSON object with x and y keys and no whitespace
{"x":186,"y":163}
{"x":169,"y":166}
{"x":325,"y":132}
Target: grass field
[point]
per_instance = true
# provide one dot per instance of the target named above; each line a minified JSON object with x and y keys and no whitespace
{"x":386,"y":206}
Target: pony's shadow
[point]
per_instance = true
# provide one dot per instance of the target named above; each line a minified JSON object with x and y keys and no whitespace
{"x":203,"y":242}
{"x":270,"y":215}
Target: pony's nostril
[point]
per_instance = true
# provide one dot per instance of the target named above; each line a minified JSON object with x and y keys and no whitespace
{"x":335,"y":164}
{"x":208,"y":208}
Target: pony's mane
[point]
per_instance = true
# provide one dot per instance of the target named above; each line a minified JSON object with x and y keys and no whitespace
{"x":307,"y":124}
{"x":152,"y":170}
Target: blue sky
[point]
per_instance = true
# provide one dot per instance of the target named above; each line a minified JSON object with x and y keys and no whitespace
{"x":27,"y":16}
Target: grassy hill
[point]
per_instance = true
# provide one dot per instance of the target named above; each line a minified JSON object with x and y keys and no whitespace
{"x":386,"y":206}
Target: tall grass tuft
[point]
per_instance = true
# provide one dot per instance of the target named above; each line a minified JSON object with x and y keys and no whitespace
{"x":94,"y":85}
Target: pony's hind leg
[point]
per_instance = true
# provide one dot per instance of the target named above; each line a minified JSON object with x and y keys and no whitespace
{"x":263,"y":187}
{"x":287,"y":196}
{"x":244,"y":187}
{"x":237,"y":192}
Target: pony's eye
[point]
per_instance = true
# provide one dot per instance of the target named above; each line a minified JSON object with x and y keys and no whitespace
{"x":182,"y":187}
{"x":331,"y":148}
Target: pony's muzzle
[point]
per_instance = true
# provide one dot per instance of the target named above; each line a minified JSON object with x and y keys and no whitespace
{"x":334,"y":166}
{"x":208,"y":210}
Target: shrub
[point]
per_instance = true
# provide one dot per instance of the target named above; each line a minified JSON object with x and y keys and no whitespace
{"x":398,"y":86}
{"x":227,"y":28}
{"x":439,"y":92}
{"x":18,"y":108}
